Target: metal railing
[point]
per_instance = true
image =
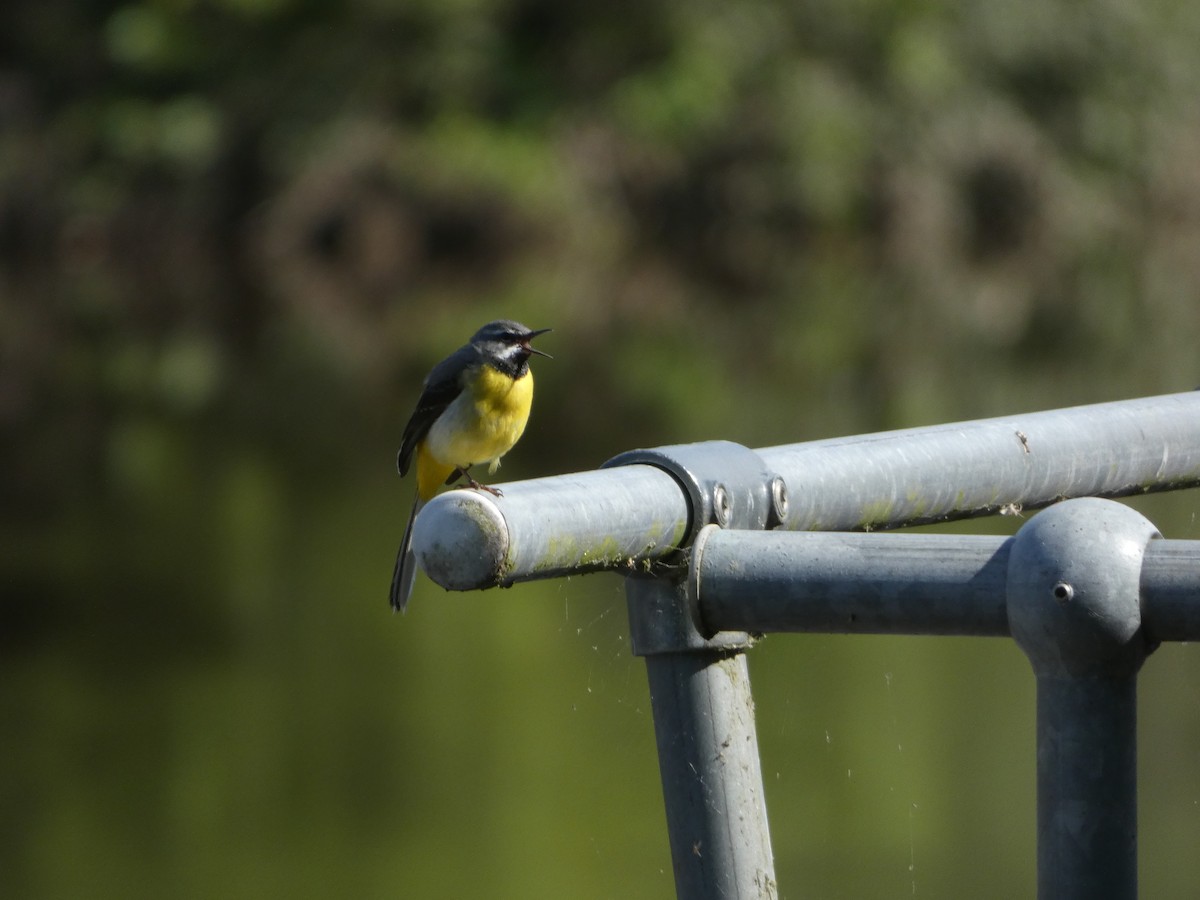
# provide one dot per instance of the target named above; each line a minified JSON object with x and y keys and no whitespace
{"x":721,"y":543}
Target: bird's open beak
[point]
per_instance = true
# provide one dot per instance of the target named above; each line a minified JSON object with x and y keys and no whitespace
{"x":532,"y":335}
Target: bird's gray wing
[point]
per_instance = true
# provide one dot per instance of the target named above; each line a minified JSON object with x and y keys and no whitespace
{"x":442,"y":385}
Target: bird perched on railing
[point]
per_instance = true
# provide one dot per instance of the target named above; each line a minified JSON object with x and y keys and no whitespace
{"x":473,"y":409}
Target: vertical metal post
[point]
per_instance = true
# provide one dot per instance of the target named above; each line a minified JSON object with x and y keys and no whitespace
{"x":1087,"y":787}
{"x":700,"y":685}
{"x":707,"y":748}
{"x":1074,"y":607}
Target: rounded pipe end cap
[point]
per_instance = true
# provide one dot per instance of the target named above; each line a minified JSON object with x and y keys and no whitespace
{"x":461,"y":541}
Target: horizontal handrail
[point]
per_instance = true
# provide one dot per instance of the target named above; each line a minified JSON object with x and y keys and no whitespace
{"x":847,"y":583}
{"x":630,"y":517}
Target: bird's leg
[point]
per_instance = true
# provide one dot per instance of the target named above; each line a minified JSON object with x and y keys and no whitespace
{"x":472,"y":483}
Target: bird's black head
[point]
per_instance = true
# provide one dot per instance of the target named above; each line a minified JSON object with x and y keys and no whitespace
{"x":505,"y":345}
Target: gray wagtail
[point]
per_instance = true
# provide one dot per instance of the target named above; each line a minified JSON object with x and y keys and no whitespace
{"x":473,"y":409}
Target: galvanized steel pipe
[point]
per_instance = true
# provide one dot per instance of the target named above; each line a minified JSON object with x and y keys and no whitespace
{"x":628,"y":518}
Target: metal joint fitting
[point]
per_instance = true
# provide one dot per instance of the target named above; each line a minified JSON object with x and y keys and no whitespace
{"x":1074,"y":588}
{"x":727,"y":485}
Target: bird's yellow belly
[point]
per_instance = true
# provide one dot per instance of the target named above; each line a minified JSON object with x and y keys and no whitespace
{"x":483,"y":422}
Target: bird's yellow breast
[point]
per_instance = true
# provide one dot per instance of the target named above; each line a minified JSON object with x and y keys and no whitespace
{"x":482,"y":423}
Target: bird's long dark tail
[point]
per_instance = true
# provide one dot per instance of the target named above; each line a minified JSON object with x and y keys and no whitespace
{"x":406,"y":564}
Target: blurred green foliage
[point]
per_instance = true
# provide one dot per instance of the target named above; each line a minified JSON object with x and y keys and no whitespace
{"x":235,"y":234}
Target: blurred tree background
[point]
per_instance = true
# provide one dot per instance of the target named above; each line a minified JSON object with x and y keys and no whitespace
{"x":235,"y":234}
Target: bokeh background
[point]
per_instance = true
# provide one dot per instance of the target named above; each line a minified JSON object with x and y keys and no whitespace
{"x":235,"y":234}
